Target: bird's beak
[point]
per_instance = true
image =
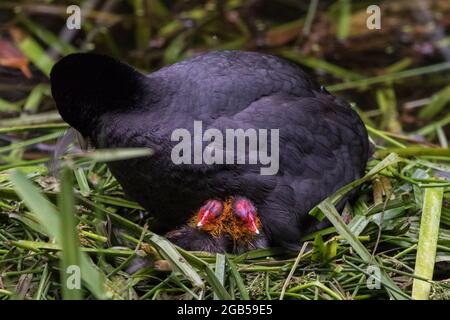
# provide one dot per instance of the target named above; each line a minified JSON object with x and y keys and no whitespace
{"x":252,"y":224}
{"x":200,"y":223}
{"x":203,"y":218}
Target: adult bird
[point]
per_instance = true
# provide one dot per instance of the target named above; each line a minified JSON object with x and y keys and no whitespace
{"x":323,"y":144}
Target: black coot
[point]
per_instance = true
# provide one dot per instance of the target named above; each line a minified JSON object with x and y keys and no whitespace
{"x":323,"y":144}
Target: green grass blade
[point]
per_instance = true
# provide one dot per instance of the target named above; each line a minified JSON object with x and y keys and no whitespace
{"x":45,"y":211}
{"x":238,"y":279}
{"x":168,"y":251}
{"x":437,"y":104}
{"x":31,"y":48}
{"x":112,"y":154}
{"x":48,"y":37}
{"x":6,"y":106}
{"x":70,"y":256}
{"x":291,"y":273}
{"x":428,"y":236}
{"x":220,"y":271}
{"x":312,"y":9}
{"x":29,"y":142}
{"x":345,"y":7}
{"x":82,"y":181}
{"x":35,"y":97}
{"x":391,"y":77}
{"x":414,"y":152}
{"x":319,"y":64}
{"x":43,"y":118}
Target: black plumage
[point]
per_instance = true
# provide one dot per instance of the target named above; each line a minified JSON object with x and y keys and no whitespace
{"x":323,"y":142}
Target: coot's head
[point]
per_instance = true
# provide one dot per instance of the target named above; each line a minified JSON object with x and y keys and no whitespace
{"x":86,"y":85}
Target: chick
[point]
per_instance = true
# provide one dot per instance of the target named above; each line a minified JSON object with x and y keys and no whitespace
{"x":230,"y":226}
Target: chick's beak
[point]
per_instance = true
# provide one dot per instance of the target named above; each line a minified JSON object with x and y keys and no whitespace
{"x":252,"y":224}
{"x":203,"y":218}
{"x":211,"y":210}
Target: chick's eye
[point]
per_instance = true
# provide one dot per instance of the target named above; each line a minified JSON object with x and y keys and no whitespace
{"x":241,"y":211}
{"x":216,"y":208}
{"x":243,"y":208}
